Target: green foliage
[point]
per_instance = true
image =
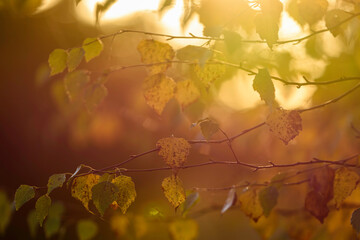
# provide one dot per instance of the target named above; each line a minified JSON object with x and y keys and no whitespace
{"x":42,"y":207}
{"x":57,"y":61}
{"x":55,"y":181}
{"x":126,"y":192}
{"x":103,"y":194}
{"x":23,"y":194}
{"x":74,"y":58}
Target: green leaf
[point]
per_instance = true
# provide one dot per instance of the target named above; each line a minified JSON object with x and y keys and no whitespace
{"x":55,"y":181}
{"x":53,"y":222}
{"x":74,"y":59}
{"x":23,"y":194}
{"x":268,"y":198}
{"x":32,"y":223}
{"x":92,"y":47}
{"x":86,"y":229}
{"x":57,"y":61}
{"x":208,"y":127}
{"x":264,"y":86}
{"x":233,"y":41}
{"x":75,"y":83}
{"x":5,"y":212}
{"x":94,"y":95}
{"x":127,"y":192}
{"x":42,"y":208}
{"x":103,"y":194}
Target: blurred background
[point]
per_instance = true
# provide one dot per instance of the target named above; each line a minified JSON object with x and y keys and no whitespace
{"x":41,"y":133}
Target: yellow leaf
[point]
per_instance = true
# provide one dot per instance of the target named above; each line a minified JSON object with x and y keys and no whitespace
{"x":119,"y":224}
{"x":250,"y":204}
{"x":184,"y":229}
{"x":57,"y":61}
{"x":174,"y":151}
{"x":127,"y":192}
{"x":153,"y":52}
{"x":209,"y":73}
{"x":173,"y":190}
{"x":186,"y":92}
{"x":74,"y":59}
{"x":42,"y":207}
{"x":285,"y":124}
{"x":92,"y":47}
{"x":81,"y":188}
{"x":158,"y":90}
{"x":345,"y":182}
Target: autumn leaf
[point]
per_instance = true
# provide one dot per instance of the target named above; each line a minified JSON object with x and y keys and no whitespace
{"x":345,"y":182}
{"x":230,"y":200}
{"x":209,"y":73}
{"x":186,"y":92}
{"x":158,"y":90}
{"x":86,"y":229}
{"x":74,"y":58}
{"x":316,"y":204}
{"x":5,"y":212}
{"x":94,"y":95}
{"x":268,"y":197}
{"x":75,"y":83}
{"x":81,"y":188}
{"x":92,"y":47}
{"x":154,"y":52}
{"x":183,"y":229}
{"x":23,"y":194}
{"x":42,"y":207}
{"x":208,"y":127}
{"x":173,"y":190}
{"x":333,"y":18}
{"x":53,"y":221}
{"x":312,"y":11}
{"x":57,"y":61}
{"x":103,"y":194}
{"x":191,"y":53}
{"x":285,"y":124}
{"x":250,"y":204}
{"x":126,"y":192}
{"x":174,"y":151}
{"x":264,"y":86}
{"x":55,"y":181}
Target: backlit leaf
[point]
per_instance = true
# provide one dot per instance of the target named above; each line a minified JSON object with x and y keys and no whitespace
{"x":209,"y":73}
{"x":186,"y":92}
{"x":74,"y":58}
{"x":5,"y":212}
{"x":264,"y":86}
{"x":184,"y":229}
{"x":250,"y":204}
{"x":268,"y":198}
{"x":285,"y":124}
{"x":208,"y":127}
{"x":189,"y":203}
{"x":230,"y":200}
{"x":173,"y":190}
{"x":81,"y":188}
{"x":127,"y":192}
{"x":55,"y":181}
{"x":32,"y":223}
{"x":94,"y":95}
{"x":86,"y":229}
{"x":75,"y":83}
{"x":153,"y":52}
{"x":316,"y":204}
{"x":42,"y":208}
{"x":103,"y":194}
{"x":23,"y":194}
{"x":355,"y":220}
{"x":278,"y":180}
{"x":191,"y":53}
{"x":92,"y":47}
{"x":233,"y":41}
{"x":312,"y":11}
{"x":174,"y":151}
{"x":333,"y":18}
{"x":158,"y":90}
{"x":345,"y":182}
{"x":57,"y":61}
{"x":53,"y":221}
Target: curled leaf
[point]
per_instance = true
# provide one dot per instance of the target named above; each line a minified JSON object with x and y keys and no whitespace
{"x":230,"y":200}
{"x":173,"y":190}
{"x":190,"y":202}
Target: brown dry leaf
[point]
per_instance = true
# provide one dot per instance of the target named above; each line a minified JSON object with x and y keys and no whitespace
{"x":152,"y":51}
{"x":322,"y":182}
{"x":81,"y":188}
{"x":158,"y":90}
{"x":250,"y":204}
{"x":186,"y":93}
{"x":316,"y":204}
{"x":285,"y":124}
{"x":174,"y":190}
{"x":345,"y":182}
{"x":174,"y":151}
